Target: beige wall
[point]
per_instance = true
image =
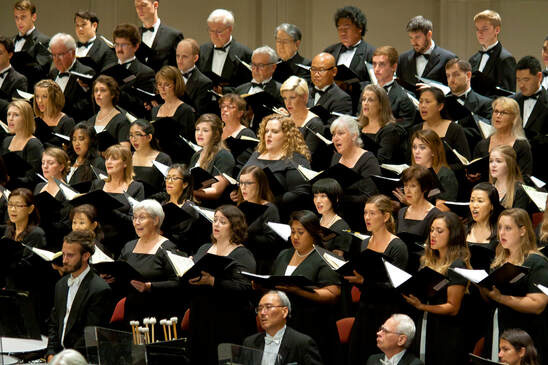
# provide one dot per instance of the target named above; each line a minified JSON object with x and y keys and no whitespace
{"x":524,"y":24}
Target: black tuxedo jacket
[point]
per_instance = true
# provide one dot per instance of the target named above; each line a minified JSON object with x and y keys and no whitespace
{"x":479,"y":104}
{"x":434,"y":70}
{"x":92,"y":306}
{"x":163,"y":48}
{"x":144,"y":79}
{"x":295,"y":348}
{"x":36,"y":46}
{"x":272,"y":87}
{"x":101,"y":54}
{"x":233,"y":70}
{"x":12,"y":82}
{"x":284,"y":69}
{"x":77,"y":100}
{"x":402,"y":107}
{"x":333,"y":100}
{"x":364,"y":52}
{"x":536,"y":131}
{"x":197,"y":91}
{"x":500,"y":67}
{"x":407,"y":359}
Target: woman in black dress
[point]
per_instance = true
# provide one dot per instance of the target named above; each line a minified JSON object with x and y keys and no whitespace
{"x":445,"y":326}
{"x":505,"y":175}
{"x":23,"y":143}
{"x":312,"y":311}
{"x":520,"y":304}
{"x":171,"y":87}
{"x":262,"y":241}
{"x":117,"y":224}
{"x":379,"y":128}
{"x":327,"y":195}
{"x":379,"y":299}
{"x":294,"y":92}
{"x":157,"y":296}
{"x":347,"y":142}
{"x":221,"y":307}
{"x":508,"y":131}
{"x":281,"y":149}
{"x":233,"y":108}
{"x":83,"y":155}
{"x":106,"y":95}
{"x":146,"y":153}
{"x":48,"y":104}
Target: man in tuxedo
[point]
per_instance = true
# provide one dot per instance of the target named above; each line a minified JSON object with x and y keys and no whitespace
{"x":220,"y":59}
{"x":10,"y":80}
{"x":197,"y":85}
{"x":533,"y":103}
{"x":127,"y":39}
{"x":288,"y":40}
{"x":81,"y":299}
{"x":545,"y":60}
{"x":158,"y":41}
{"x":493,"y":61}
{"x":281,"y":344}
{"x":31,"y":55}
{"x":89,"y":46}
{"x":393,"y":339}
{"x":385,"y":63}
{"x":77,"y":90}
{"x":325,"y":91}
{"x":426,"y":59}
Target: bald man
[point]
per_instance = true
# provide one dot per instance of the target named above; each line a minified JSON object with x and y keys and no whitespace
{"x":325,"y":92}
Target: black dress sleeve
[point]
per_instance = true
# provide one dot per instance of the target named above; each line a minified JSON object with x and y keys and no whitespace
{"x":482,"y":148}
{"x":32,"y":153}
{"x":185,"y":118}
{"x":136,"y":190}
{"x":119,"y":127}
{"x":164,"y":159}
{"x":389,"y":141}
{"x":453,"y":277}
{"x":524,"y":156}
{"x":450,"y":184}
{"x":64,"y":126}
{"x":456,"y":138}
{"x":223,"y":162}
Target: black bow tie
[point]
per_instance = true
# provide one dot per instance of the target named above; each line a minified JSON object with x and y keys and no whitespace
{"x":18,"y":37}
{"x":187,"y":75}
{"x":223,"y":48}
{"x":425,"y":55}
{"x":534,"y":96}
{"x":3,"y":74}
{"x":388,"y":86}
{"x":318,"y":91}
{"x":257,"y":84}
{"x":86,"y":44}
{"x":545,"y":73}
{"x":345,"y":48}
{"x":63,"y":74}
{"x":144,"y":29}
{"x":488,"y":52}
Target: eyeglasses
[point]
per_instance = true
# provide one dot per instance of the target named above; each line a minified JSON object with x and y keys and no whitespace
{"x":267,"y":308}
{"x":385,"y":330}
{"x":260,"y":66}
{"x":137,"y":135}
{"x":320,"y":70}
{"x":501,"y":112}
{"x":173,"y":178}
{"x":121,"y":45}
{"x":18,"y":206}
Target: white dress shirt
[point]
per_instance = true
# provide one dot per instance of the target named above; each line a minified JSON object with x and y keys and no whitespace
{"x":83,"y":51}
{"x":63,"y":81}
{"x":21,"y":43}
{"x":3,"y":75}
{"x":528,"y":106}
{"x":148,"y":37}
{"x":258,"y":89}
{"x":219,"y":58}
{"x":485,"y":56}
{"x":272,"y":347}
{"x":545,"y":80}
{"x":73,"y":286}
{"x":345,"y":58}
{"x":421,"y":61}
{"x":317,"y":95}
{"x":394,"y":360}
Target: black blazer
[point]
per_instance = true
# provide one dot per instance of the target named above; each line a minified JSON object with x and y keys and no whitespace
{"x":101,"y":54}
{"x":434,"y":70}
{"x":407,"y":359}
{"x":500,"y":67}
{"x":144,"y":79}
{"x":402,"y":107}
{"x":163,"y":48}
{"x":13,"y":81}
{"x":333,"y":100}
{"x":197,"y":91}
{"x":233,"y":70}
{"x":536,"y":131}
{"x":77,"y":100}
{"x":272,"y":87}
{"x":36,"y":46}
{"x":364,"y":52}
{"x":92,"y":306}
{"x":284,"y":69}
{"x":295,"y":348}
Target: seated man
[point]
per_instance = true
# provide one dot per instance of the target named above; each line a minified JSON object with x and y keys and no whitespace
{"x":288,"y":40}
{"x":77,"y":91}
{"x":325,"y":91}
{"x":393,"y":339}
{"x":278,"y":340}
{"x":81,"y":299}
{"x":89,"y":45}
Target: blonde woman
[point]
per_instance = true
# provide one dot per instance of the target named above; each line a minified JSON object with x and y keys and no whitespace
{"x":48,"y":104}
{"x":504,"y":173}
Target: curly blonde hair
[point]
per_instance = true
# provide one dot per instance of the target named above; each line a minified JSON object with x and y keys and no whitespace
{"x":293,"y":138}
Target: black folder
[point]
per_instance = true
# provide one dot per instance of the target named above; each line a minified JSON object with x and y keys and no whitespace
{"x":210,"y":263}
{"x":173,"y":216}
{"x":105,"y":140}
{"x":477,"y":360}
{"x":237,"y":145}
{"x":16,"y":166}
{"x":346,"y":75}
{"x":321,"y":112}
{"x":424,"y":284}
{"x":503,"y":275}
{"x":101,"y":200}
{"x":386,"y":185}
{"x":120,"y":73}
{"x":252,"y":211}
{"x":202,"y":178}
{"x":345,"y":176}
{"x":121,"y":270}
{"x":481,"y":256}
{"x":271,"y":281}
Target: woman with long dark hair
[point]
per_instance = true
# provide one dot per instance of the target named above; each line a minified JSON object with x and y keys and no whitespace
{"x":84,"y":155}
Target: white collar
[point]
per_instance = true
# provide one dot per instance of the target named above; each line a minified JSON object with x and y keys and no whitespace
{"x":396,"y":358}
{"x":279,"y":335}
{"x":29,"y":32}
{"x":78,"y":280}
{"x":7,"y":68}
{"x":264,"y":82}
{"x":464,"y":93}
{"x":429,"y":50}
{"x":127,"y":61}
{"x":490,"y":47}
{"x":156,"y":25}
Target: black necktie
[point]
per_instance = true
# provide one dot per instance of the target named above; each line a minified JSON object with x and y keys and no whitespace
{"x":144,"y":29}
{"x":18,"y":37}
{"x":425,"y":55}
{"x":533,"y":97}
{"x":345,"y":48}
{"x":223,"y":48}
{"x":86,"y":44}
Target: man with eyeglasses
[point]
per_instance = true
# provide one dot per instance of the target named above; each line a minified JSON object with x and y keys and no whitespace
{"x":288,"y":39}
{"x":281,"y":344}
{"x":393,"y":339}
{"x":325,"y":92}
{"x":219,"y":59}
{"x":77,"y":90}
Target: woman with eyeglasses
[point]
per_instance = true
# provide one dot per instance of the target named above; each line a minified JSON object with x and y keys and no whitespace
{"x":84,"y":156}
{"x":312,"y":311}
{"x":221,"y":305}
{"x":141,"y":136}
{"x":509,"y":132}
{"x":106,"y":94}
{"x":171,"y":87}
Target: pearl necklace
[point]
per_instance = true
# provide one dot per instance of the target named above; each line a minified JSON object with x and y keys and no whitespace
{"x":306,"y":254}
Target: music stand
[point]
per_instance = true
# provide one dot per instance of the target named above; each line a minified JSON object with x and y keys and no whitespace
{"x":105,"y":346}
